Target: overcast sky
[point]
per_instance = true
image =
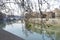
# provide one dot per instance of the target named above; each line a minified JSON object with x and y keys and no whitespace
{"x":53,"y":4}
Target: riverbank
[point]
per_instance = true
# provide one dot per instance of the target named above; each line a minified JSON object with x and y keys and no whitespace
{"x":4,"y":35}
{"x":50,"y":21}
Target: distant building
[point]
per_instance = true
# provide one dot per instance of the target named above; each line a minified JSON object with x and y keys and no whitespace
{"x":50,"y":14}
{"x":57,"y":12}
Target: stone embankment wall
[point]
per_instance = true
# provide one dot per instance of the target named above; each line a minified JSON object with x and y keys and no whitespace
{"x":50,"y":21}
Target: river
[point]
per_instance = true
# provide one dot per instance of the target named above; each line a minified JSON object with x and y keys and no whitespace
{"x":19,"y":29}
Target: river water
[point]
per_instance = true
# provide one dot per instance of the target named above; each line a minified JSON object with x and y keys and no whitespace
{"x":19,"y":29}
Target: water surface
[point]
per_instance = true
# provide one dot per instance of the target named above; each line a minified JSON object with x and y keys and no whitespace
{"x":19,"y":29}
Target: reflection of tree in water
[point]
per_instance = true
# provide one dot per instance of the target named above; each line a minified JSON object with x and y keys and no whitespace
{"x":2,"y":24}
{"x":42,"y":31}
{"x":51,"y":35}
{"x":10,"y":22}
{"x":26,"y":30}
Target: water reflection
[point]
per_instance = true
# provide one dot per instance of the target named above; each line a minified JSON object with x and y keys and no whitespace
{"x":2,"y":24}
{"x":29,"y":32}
{"x":46,"y":35}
